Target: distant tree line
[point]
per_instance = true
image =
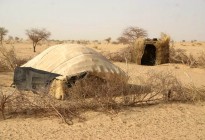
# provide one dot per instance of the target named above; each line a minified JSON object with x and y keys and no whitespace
{"x":129,"y":35}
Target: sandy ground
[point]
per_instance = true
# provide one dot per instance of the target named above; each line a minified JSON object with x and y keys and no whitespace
{"x":162,"y":121}
{"x":170,"y":121}
{"x":184,"y":73}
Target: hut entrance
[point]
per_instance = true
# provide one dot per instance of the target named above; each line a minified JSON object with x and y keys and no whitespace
{"x":149,"y":55}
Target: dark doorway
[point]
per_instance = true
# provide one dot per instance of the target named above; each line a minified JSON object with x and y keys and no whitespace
{"x":149,"y":55}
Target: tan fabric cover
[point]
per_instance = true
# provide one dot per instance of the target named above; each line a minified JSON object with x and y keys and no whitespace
{"x":71,"y":59}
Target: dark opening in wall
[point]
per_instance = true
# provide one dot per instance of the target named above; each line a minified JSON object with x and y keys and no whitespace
{"x":149,"y":56}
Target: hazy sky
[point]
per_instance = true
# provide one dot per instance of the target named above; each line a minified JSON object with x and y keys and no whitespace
{"x":99,"y":19}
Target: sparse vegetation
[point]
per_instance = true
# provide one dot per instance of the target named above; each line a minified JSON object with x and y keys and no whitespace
{"x":100,"y":95}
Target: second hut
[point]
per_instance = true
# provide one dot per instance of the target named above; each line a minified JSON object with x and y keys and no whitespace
{"x":151,"y":51}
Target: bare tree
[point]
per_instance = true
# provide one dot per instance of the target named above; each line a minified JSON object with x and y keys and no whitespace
{"x":108,"y":39}
{"x":37,"y":35}
{"x":3,"y":32}
{"x":130,"y":34}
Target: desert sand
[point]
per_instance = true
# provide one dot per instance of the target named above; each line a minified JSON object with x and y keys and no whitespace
{"x":164,"y":121}
{"x":160,"y":121}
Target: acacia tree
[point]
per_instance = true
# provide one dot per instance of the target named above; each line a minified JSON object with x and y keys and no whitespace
{"x":108,"y":39}
{"x":130,"y":34}
{"x":37,"y":35}
{"x":3,"y":32}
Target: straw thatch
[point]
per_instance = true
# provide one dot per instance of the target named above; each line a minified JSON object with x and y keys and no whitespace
{"x":161,"y":48}
{"x":57,"y":89}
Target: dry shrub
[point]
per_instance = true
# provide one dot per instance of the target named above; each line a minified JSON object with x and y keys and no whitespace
{"x":201,"y":60}
{"x":198,"y":43}
{"x":5,"y":101}
{"x":94,"y":92}
{"x":40,"y":104}
{"x":180,"y":56}
{"x":194,"y":93}
{"x":91,"y":93}
{"x":158,"y":87}
{"x":164,"y":84}
{"x":162,"y":87}
{"x":9,"y":60}
{"x":171,"y":89}
{"x":124,"y":55}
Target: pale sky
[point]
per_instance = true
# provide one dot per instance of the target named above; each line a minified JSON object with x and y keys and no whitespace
{"x":99,"y":19}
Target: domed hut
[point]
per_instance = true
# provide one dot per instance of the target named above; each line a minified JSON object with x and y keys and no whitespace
{"x":60,"y":66}
{"x":151,"y":51}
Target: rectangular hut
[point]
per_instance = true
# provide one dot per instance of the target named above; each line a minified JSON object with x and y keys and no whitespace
{"x":151,"y":51}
